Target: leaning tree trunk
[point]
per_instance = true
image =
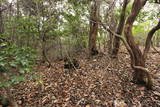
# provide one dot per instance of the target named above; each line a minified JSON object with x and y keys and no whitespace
{"x":94,"y":15}
{"x":141,"y":75}
{"x":116,"y":43}
{"x":149,"y":39}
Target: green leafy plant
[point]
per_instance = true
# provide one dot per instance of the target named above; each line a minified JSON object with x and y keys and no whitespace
{"x":14,"y":63}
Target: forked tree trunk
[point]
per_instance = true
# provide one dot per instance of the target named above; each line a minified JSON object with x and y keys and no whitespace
{"x":116,"y":43}
{"x":141,"y":75}
{"x":94,"y":15}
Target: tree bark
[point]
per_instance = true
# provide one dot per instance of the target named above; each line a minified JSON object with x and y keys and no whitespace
{"x":94,"y":15}
{"x":18,"y":11}
{"x":116,"y":43}
{"x":149,"y":39}
{"x":141,"y":75}
{"x":111,"y":36}
{"x":111,"y":21}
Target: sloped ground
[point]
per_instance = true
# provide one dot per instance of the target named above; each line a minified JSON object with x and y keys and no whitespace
{"x":100,"y":82}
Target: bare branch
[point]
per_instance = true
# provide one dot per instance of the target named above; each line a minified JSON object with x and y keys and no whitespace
{"x":149,"y":38}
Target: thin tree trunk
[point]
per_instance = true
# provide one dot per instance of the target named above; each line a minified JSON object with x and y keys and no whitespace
{"x":149,"y":39}
{"x":18,"y":12}
{"x":44,"y":41}
{"x":111,"y":36}
{"x":60,"y":48}
{"x":116,"y":43}
{"x":93,"y":27}
{"x":111,"y":21}
{"x":1,"y":20}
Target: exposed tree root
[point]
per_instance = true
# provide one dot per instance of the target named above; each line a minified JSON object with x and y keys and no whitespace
{"x":142,"y":76}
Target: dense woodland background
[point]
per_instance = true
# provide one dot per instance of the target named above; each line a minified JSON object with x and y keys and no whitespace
{"x":79,"y":53}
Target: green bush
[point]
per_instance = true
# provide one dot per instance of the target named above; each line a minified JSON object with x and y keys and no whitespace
{"x":14,"y":63}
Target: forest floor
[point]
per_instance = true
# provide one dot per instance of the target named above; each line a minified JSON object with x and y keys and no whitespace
{"x":99,"y":82}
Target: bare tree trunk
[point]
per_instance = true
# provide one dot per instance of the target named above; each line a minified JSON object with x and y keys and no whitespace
{"x":137,"y":60}
{"x":149,"y":39}
{"x":116,"y":43}
{"x":18,"y":12}
{"x":111,"y":21}
{"x":1,"y":20}
{"x":111,"y":36}
{"x":61,"y":56}
{"x":44,"y":41}
{"x":94,"y":15}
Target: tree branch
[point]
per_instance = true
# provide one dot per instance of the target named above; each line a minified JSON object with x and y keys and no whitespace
{"x":155,"y":48}
{"x":149,"y":39}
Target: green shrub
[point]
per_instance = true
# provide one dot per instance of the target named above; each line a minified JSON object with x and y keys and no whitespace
{"x":14,"y":63}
